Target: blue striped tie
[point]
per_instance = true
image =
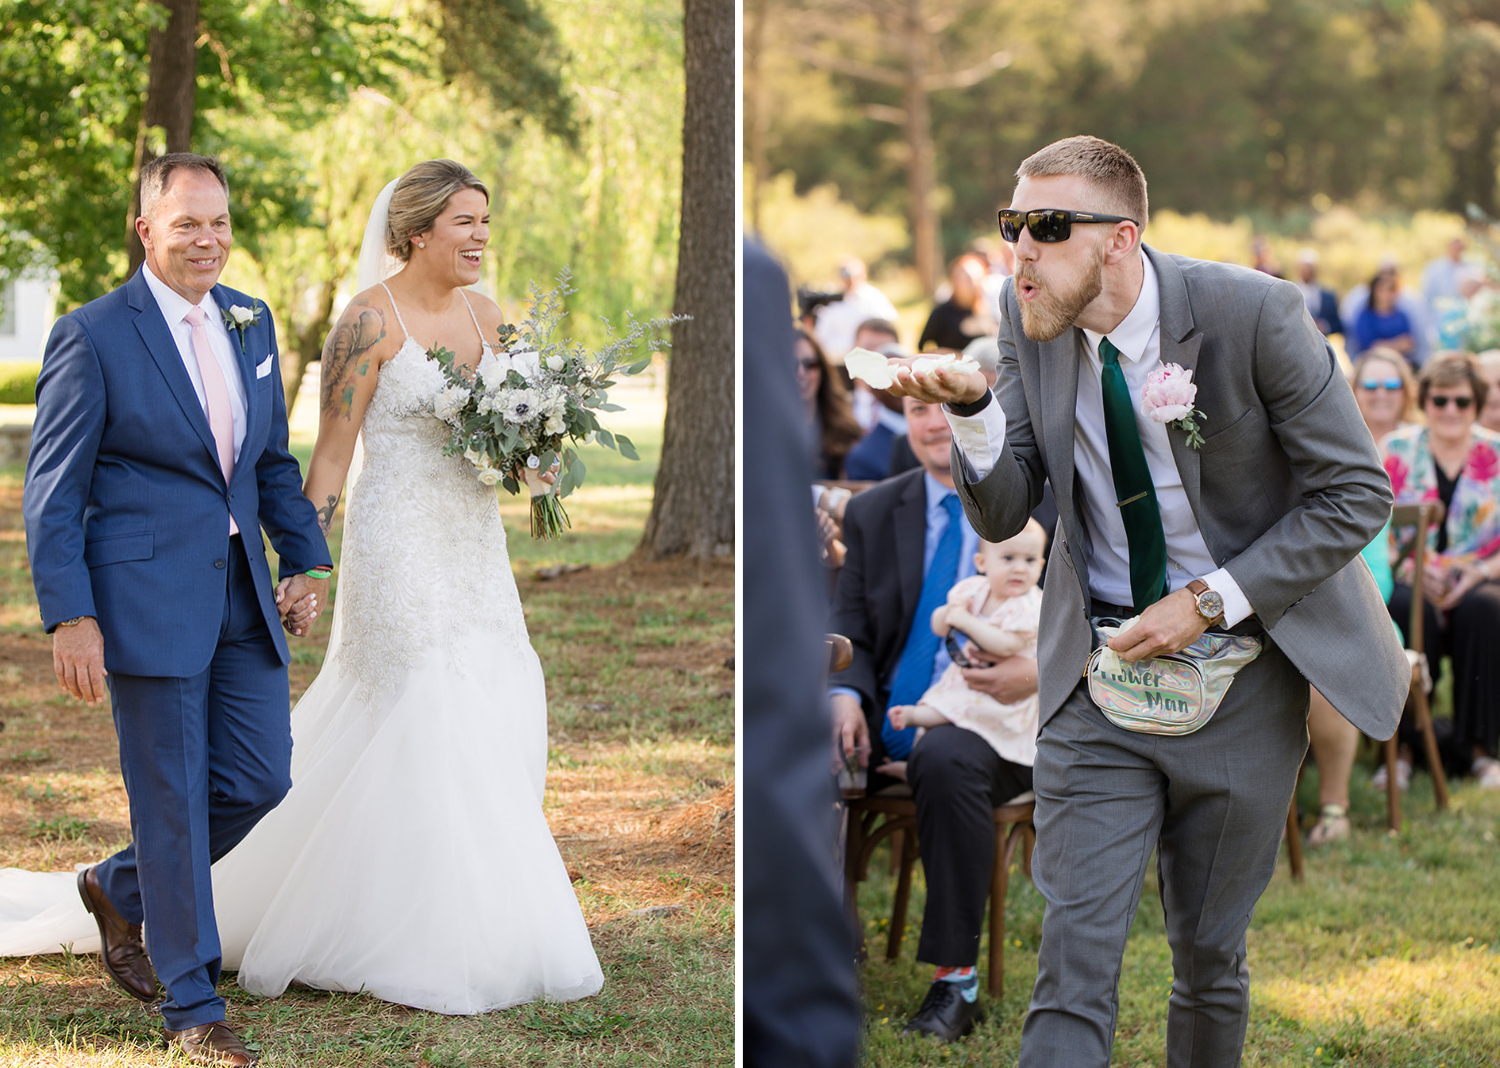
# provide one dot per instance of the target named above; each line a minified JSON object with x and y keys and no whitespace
{"x":914,"y":671}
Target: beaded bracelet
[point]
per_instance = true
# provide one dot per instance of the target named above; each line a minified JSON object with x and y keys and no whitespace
{"x":319,"y":573}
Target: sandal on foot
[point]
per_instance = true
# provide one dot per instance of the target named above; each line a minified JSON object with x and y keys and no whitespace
{"x":1332,"y":825}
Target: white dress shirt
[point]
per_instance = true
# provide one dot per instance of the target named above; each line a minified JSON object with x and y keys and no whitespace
{"x":980,"y":437}
{"x":174,"y":308}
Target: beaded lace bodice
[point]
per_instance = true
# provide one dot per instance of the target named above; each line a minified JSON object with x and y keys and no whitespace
{"x":423,"y":562}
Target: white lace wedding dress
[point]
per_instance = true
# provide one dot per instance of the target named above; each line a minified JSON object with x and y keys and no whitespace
{"x":411,"y":859}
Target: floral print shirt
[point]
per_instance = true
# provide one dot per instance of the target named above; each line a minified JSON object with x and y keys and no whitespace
{"x":1473,"y":520}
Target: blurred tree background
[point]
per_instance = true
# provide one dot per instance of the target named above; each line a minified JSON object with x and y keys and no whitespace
{"x":570,"y":112}
{"x":1269,"y":116}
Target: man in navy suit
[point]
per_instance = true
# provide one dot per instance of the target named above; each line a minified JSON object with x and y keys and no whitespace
{"x":159,"y":454}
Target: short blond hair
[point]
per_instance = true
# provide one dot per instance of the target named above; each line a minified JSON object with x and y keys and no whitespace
{"x":1108,"y":167}
{"x":420,"y":197}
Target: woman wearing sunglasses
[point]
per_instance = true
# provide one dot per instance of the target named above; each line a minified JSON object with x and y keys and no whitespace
{"x":829,"y":407}
{"x":1385,"y":390}
{"x":1387,"y":395}
{"x":1457,"y":462}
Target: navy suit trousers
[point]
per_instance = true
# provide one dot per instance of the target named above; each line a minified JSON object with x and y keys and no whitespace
{"x":204,"y":758}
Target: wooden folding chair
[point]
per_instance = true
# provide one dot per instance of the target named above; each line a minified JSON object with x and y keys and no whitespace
{"x":893,"y":814}
{"x":1423,"y":516}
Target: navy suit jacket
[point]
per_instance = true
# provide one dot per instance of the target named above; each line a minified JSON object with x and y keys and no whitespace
{"x":127,"y":512}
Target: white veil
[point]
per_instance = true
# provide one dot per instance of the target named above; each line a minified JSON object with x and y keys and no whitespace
{"x":375,"y":265}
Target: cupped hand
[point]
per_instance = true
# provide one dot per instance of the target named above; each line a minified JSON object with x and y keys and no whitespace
{"x":1169,"y":626}
{"x":940,"y":386}
{"x":896,"y":769}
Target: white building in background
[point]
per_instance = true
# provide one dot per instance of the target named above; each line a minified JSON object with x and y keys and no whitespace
{"x":25,"y":318}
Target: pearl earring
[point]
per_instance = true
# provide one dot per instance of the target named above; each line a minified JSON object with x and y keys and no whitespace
{"x":421,"y":244}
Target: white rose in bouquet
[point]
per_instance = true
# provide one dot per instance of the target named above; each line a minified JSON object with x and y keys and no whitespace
{"x":449,"y":402}
{"x":556,"y":363}
{"x":493,"y":367}
{"x":555,"y":424}
{"x":527,"y":364}
{"x":489,"y":476}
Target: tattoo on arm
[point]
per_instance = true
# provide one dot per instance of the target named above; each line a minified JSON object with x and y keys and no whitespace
{"x":325,"y":514}
{"x":346,"y":354}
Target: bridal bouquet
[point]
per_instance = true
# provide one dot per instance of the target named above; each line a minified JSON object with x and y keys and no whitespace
{"x":532,"y":399}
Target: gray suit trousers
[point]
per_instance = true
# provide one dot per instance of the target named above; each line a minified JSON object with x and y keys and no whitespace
{"x":1213,"y":803}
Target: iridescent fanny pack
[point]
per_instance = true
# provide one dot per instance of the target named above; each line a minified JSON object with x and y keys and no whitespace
{"x":1173,"y":694}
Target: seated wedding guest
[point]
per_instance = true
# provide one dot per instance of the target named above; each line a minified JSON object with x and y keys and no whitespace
{"x":801,"y":1005}
{"x":1409,"y":302}
{"x":1457,"y":462}
{"x":1385,"y":390}
{"x":830,"y":412}
{"x":1334,"y":740}
{"x":956,"y":776}
{"x":964,"y":316}
{"x":1322,"y":305}
{"x":1386,"y":394}
{"x":1489,"y":367}
{"x":997,"y":612}
{"x":1381,"y":321}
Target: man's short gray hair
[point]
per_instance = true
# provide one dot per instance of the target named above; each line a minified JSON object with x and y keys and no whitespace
{"x":157,"y":173}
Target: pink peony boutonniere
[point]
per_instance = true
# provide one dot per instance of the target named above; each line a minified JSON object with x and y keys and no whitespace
{"x":1168,"y":398}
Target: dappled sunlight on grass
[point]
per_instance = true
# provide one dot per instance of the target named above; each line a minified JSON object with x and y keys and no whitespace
{"x":1453,"y":990}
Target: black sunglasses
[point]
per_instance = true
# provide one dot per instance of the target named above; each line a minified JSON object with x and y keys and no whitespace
{"x":1463,"y":404}
{"x":1049,"y":225}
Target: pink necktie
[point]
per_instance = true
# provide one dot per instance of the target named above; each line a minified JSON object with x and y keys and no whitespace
{"x":220,"y":417}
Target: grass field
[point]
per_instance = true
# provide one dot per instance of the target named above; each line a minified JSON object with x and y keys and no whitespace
{"x":1388,"y":954}
{"x":641,"y":796}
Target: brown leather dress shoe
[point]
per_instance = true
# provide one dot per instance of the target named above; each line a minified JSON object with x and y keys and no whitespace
{"x":211,"y":1043}
{"x":120,"y":942}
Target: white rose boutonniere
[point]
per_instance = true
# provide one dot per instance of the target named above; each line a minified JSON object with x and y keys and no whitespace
{"x":1169,"y":397}
{"x":239,"y":318}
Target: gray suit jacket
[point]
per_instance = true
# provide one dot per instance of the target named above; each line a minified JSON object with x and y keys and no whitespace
{"x":1287,"y":487}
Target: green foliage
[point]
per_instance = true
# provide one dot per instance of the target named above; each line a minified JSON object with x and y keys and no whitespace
{"x":72,"y":79}
{"x":510,"y":49}
{"x":18,"y":382}
{"x":1232,"y":108}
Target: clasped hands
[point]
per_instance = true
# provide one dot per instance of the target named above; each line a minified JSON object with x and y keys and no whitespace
{"x":299,"y":598}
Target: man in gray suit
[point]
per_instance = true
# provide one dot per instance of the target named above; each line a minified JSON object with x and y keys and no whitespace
{"x":1253,"y":528}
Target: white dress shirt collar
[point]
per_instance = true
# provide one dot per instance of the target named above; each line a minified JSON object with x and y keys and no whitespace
{"x":1134,"y":332}
{"x":174,"y":306}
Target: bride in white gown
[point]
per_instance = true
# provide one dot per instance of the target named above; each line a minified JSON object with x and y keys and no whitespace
{"x":411,"y":859}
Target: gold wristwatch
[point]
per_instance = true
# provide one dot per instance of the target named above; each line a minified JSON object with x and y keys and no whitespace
{"x":1210,"y":602}
{"x":72,"y":622}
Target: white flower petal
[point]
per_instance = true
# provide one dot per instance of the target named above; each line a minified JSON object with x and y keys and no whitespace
{"x":874,"y":368}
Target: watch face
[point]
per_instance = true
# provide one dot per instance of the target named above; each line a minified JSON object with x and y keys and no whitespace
{"x":1210,"y":604}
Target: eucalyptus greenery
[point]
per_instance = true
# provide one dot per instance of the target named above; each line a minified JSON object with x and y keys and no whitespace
{"x":534,"y":397}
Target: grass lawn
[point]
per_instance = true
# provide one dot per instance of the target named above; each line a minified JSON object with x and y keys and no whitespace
{"x":1387,"y":954}
{"x":641,"y":796}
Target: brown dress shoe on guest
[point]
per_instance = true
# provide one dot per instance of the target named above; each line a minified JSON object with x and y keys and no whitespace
{"x":211,"y":1043}
{"x":120,"y":942}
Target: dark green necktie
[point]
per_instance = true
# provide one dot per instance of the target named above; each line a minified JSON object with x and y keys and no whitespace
{"x":1135,"y":494}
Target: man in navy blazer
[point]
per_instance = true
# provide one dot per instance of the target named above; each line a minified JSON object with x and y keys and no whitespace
{"x":158,"y":456}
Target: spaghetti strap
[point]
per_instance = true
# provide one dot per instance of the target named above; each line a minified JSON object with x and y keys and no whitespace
{"x":405,"y":333}
{"x":478,"y":331}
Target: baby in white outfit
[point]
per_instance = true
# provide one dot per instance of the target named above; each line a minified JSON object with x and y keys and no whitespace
{"x":999,"y":609}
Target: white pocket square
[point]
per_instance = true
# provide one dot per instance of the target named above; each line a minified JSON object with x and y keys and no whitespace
{"x":264,"y":367}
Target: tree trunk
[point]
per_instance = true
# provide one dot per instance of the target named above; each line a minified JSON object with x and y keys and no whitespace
{"x":759,"y":117}
{"x":692,"y":512}
{"x":169,"y":104}
{"x":921,"y":165}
